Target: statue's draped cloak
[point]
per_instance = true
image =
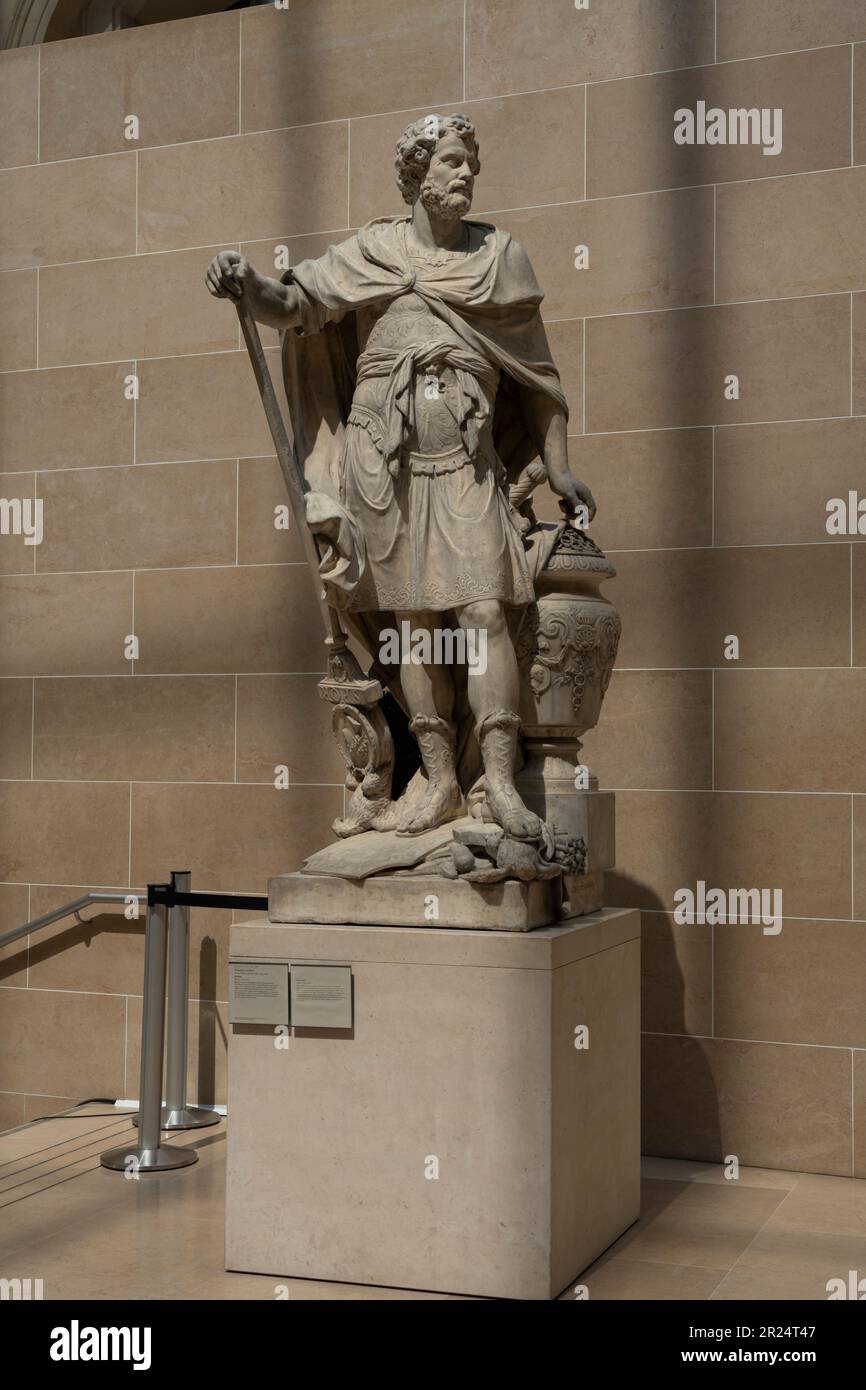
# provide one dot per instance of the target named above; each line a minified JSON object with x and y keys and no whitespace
{"x":489,"y":298}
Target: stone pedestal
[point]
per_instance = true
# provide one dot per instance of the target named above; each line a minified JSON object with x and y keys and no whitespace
{"x":426,"y":899}
{"x":380,"y":878}
{"x":455,"y":1138}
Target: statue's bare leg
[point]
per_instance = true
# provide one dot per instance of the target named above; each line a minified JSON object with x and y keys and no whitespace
{"x":494,"y":699}
{"x":429,"y":693}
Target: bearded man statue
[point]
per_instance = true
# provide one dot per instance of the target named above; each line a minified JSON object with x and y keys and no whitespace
{"x":421,"y":389}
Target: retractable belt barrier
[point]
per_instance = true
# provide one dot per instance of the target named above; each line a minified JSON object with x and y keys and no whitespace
{"x":166,"y":955}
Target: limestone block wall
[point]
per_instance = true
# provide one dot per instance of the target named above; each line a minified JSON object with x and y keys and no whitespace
{"x":735,"y":765}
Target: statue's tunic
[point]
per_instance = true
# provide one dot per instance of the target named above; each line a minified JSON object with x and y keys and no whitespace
{"x":418,"y":468}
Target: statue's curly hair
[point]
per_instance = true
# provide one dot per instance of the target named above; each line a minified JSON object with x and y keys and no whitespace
{"x":417,"y":143}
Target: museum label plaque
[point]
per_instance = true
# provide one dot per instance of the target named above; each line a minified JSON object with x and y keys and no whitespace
{"x":258,"y":992}
{"x":321,"y":996}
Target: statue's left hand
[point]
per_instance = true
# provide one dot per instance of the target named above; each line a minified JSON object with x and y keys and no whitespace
{"x":575,"y":495}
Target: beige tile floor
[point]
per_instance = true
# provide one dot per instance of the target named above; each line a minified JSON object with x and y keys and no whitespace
{"x":88,"y":1233}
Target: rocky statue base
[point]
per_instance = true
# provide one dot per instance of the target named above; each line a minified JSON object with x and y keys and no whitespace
{"x":463,"y":874}
{"x":471,"y":1128}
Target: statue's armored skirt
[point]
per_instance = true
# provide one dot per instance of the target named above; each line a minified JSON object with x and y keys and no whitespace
{"x":420,"y":473}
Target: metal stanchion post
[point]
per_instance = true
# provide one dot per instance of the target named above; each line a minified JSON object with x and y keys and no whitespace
{"x":148,"y":1155}
{"x":176,"y":1114}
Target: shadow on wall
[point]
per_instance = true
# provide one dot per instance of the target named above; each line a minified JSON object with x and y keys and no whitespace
{"x":679,"y":1114}
{"x":45,"y":948}
{"x":209,"y":1025}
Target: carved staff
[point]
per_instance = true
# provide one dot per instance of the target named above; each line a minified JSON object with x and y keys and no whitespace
{"x":342,"y":666}
{"x":360,"y":727}
{"x":292,"y":473}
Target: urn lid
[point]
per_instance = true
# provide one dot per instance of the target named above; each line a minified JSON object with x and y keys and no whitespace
{"x":575,"y":550}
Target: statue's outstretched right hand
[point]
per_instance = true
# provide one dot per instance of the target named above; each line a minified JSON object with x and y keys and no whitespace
{"x":226,"y":275}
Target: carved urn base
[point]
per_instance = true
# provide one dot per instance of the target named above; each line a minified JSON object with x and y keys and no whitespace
{"x":566,"y":649}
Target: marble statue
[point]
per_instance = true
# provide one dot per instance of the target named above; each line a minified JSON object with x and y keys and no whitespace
{"x":425,"y":408}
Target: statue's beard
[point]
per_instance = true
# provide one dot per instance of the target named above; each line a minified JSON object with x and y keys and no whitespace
{"x":446,"y":204}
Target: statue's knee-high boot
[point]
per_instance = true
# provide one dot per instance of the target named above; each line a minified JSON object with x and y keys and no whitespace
{"x":437,"y":741}
{"x":498,"y":733}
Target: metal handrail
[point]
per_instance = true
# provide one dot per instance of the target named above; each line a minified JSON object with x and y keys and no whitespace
{"x":70,"y":910}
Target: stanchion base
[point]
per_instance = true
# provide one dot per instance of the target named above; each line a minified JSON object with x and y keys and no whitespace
{"x":191,"y":1117}
{"x":128,"y":1158}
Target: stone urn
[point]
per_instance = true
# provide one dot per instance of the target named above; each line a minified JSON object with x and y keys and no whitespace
{"x":566,"y":650}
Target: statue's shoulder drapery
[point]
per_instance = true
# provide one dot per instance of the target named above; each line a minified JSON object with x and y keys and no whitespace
{"x":490,"y":298}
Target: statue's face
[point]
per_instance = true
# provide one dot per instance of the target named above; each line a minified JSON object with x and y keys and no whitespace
{"x":448,"y":184}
